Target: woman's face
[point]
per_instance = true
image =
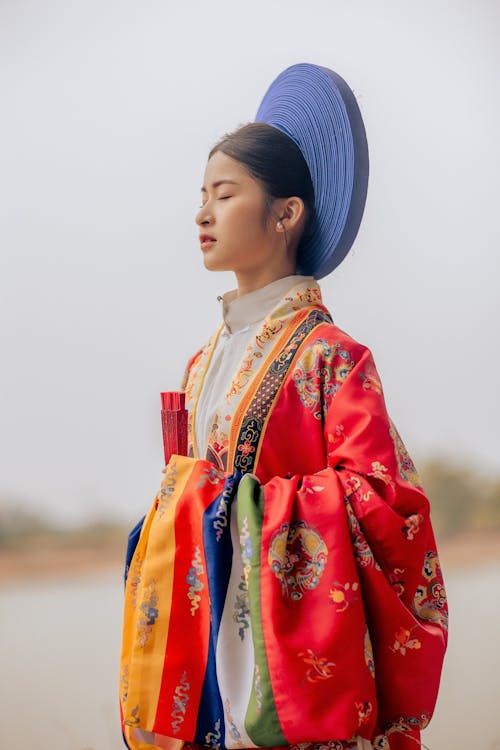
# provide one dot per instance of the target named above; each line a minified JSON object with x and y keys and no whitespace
{"x":236,"y":231}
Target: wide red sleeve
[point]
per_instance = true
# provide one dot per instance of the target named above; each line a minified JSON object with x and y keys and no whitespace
{"x":372,"y":478}
{"x":394,"y":547}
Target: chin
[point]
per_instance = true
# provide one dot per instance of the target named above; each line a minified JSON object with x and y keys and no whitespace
{"x":212,"y":264}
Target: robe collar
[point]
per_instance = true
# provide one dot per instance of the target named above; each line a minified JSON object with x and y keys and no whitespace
{"x":239,"y":313}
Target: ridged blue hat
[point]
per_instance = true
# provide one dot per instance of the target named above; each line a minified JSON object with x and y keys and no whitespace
{"x":316,"y":108}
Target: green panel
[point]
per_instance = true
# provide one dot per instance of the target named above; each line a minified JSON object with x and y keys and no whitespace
{"x":261,"y":721}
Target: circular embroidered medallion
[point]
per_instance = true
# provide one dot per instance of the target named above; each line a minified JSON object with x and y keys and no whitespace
{"x":297,"y":556}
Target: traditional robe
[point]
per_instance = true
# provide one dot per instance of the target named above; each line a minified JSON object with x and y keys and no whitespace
{"x":286,"y":591}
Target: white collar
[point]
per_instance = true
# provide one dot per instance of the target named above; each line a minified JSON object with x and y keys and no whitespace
{"x":241,"y":312}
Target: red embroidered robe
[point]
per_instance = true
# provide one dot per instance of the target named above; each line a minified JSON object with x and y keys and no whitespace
{"x":292,"y":594}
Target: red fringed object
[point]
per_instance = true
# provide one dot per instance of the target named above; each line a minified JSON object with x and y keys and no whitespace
{"x":174,"y":423}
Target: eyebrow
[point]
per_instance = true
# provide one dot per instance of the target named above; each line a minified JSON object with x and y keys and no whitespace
{"x":218,"y":183}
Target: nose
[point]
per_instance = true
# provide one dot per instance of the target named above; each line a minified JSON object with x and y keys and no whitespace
{"x":204,"y":216}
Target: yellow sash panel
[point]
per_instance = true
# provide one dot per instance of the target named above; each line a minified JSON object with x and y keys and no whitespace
{"x":148,"y":606}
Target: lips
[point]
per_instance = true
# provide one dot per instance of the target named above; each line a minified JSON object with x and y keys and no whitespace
{"x":206,"y":241}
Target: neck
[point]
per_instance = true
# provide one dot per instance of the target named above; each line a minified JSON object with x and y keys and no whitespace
{"x":250,"y":282}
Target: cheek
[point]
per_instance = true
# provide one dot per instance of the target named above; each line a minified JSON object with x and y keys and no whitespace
{"x":253,"y":220}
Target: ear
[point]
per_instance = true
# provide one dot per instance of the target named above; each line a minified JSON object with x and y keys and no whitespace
{"x":291,"y":213}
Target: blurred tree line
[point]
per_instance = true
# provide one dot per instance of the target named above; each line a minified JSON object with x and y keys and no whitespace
{"x":461,"y":500}
{"x":20,"y":526}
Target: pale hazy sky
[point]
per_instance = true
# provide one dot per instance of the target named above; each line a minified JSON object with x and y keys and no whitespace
{"x":108,"y":111}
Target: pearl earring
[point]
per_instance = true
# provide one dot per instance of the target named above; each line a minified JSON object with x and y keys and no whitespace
{"x":279,"y":225}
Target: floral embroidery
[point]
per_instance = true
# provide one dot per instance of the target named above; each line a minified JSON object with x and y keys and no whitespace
{"x":269,"y":330}
{"x":218,"y":441}
{"x":379,"y":471}
{"x":212,"y":739}
{"x":343,"y":595}
{"x":406,"y":467}
{"x":297,"y":556}
{"x":355,"y":484}
{"x":343,"y":370}
{"x":412,"y":526}
{"x":396,"y":581}
{"x":403,"y":641}
{"x":243,"y":375}
{"x":193,"y":579}
{"x":368,"y":649}
{"x":319,"y":667}
{"x":247,"y":443}
{"x":370,"y":379}
{"x":241,"y":612}
{"x":167,"y":488}
{"x":338,"y":437}
{"x":124,"y":684}
{"x":191,"y":375}
{"x":180,"y":702}
{"x":233,"y":729}
{"x":149,"y":608}
{"x":210,"y":474}
{"x":308,"y":488}
{"x":257,"y":684}
{"x":406,"y":724}
{"x":429,"y":602}
{"x":246,"y":548}
{"x":132,"y":719}
{"x":364,"y":712}
{"x":310,"y":295}
{"x":134,"y":577}
{"x":246,"y":447}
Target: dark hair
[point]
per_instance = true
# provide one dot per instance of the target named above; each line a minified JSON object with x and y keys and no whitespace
{"x":275,"y":160}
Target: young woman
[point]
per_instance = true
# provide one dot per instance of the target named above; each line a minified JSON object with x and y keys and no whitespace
{"x":285,"y":589}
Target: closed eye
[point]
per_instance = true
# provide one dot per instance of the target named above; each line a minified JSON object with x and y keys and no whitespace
{"x":224,"y":197}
